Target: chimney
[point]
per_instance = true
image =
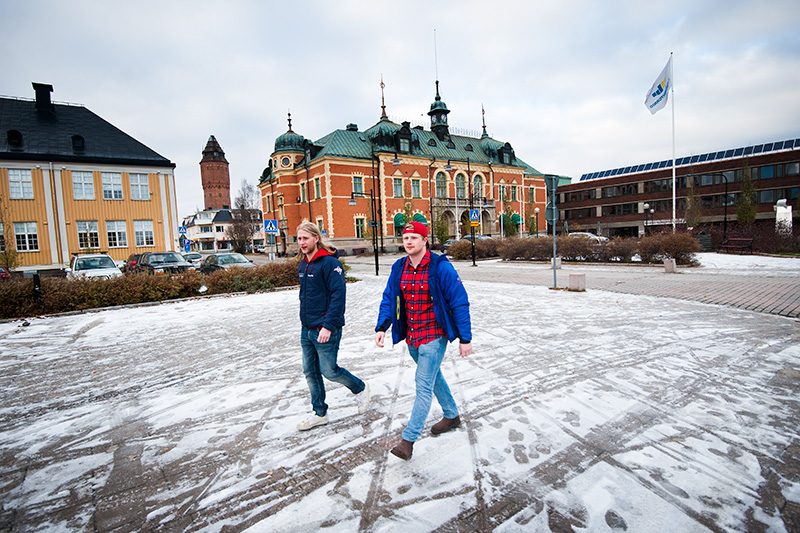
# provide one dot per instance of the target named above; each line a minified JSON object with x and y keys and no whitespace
{"x":43,"y":103}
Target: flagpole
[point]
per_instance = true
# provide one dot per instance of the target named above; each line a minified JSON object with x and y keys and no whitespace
{"x":672,"y":88}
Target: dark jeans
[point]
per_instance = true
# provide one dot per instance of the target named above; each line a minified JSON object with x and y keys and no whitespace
{"x":319,"y":359}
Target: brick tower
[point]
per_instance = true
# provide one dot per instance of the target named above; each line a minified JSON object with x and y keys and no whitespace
{"x":215,"y":177}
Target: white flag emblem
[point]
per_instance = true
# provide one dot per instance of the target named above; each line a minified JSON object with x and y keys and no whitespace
{"x":658,"y":94}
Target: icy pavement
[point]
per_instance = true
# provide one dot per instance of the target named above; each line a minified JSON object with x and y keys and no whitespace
{"x":593,"y":411}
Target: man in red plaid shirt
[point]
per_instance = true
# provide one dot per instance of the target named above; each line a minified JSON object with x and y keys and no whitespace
{"x":426,"y":304}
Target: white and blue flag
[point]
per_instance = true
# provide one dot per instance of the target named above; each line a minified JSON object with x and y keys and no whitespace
{"x":658,"y":94}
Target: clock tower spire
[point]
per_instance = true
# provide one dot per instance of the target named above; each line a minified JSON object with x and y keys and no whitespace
{"x":438,"y":114}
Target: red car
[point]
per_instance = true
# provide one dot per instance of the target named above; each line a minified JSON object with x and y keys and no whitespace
{"x":4,"y":274}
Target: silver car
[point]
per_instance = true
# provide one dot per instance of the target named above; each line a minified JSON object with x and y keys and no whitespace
{"x":98,"y":265}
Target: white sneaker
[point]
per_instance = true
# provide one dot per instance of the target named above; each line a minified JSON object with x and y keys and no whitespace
{"x":313,"y":420}
{"x":362,"y":399}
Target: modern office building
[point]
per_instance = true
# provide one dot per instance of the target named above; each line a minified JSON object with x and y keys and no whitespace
{"x":358,"y":184}
{"x":637,"y":199}
{"x":72,"y":182}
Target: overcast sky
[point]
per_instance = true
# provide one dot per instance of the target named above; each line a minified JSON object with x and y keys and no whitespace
{"x":563,"y":82}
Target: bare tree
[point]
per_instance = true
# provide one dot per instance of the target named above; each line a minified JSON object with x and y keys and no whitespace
{"x":8,"y":249}
{"x":246,"y":216}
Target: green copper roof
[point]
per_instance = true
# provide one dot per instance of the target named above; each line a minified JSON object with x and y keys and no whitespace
{"x":356,"y":144}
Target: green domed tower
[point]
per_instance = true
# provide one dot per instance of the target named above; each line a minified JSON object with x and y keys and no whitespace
{"x":438,"y":114}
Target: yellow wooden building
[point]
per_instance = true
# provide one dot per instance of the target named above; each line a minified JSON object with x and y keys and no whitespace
{"x":71,"y":182}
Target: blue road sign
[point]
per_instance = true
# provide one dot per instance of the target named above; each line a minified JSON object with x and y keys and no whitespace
{"x":182,"y":230}
{"x":271,"y":226}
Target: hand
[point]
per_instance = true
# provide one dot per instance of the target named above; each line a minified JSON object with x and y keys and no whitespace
{"x":465,"y":349}
{"x":379,"y":336}
{"x":324,"y":335}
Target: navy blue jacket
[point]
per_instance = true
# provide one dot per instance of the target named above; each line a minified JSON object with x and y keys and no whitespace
{"x":450,"y":301}
{"x":322,"y":291}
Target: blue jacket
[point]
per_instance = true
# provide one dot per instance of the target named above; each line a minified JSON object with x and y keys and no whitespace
{"x":322,"y":291}
{"x":450,"y":301}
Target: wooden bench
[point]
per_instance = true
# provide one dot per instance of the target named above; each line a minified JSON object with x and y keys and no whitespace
{"x":737,"y":244}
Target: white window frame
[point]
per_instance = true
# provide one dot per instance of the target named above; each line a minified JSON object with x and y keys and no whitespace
{"x":461,"y":186}
{"x":116,"y":234}
{"x":20,"y":184}
{"x":416,"y":189}
{"x":358,"y":185}
{"x":112,"y":186}
{"x":317,"y":188}
{"x":361,"y":227}
{"x":140,"y":186}
{"x":88,"y":234}
{"x":441,"y":185}
{"x":143,"y":233}
{"x":26,"y":236}
{"x":397,"y":186}
{"x":82,"y":185}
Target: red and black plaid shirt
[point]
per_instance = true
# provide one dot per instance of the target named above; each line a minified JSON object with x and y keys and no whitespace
{"x":420,"y":320}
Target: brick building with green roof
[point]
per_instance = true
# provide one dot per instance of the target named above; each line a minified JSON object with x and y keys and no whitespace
{"x":351,"y":183}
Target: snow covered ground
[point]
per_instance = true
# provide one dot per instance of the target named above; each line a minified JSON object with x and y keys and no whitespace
{"x":597,"y":411}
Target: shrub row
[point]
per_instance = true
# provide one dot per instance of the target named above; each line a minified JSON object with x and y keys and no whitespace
{"x":59,"y":295}
{"x":765,"y":238}
{"x":651,"y":249}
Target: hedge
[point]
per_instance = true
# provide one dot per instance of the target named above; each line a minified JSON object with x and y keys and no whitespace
{"x":59,"y":295}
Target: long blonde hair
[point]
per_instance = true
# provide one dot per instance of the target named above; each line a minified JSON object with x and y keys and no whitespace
{"x":313,"y":229}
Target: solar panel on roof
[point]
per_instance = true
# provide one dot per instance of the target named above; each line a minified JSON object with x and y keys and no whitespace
{"x":757,"y":149}
{"x":768,"y":147}
{"x":703,"y":157}
{"x":738,"y":152}
{"x":748,"y":150}
{"x":648,"y":166}
{"x":721,"y":154}
{"x":778,"y":145}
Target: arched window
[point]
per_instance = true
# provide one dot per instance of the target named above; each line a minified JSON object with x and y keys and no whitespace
{"x":460,"y":188}
{"x":477,"y":187}
{"x":441,"y":185}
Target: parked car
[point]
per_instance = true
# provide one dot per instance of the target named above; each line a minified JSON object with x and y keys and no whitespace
{"x":163,"y":263}
{"x":224,"y":261}
{"x":92,"y":265}
{"x":129,"y":267}
{"x":477,"y":238}
{"x":4,"y":274}
{"x":586,"y":235}
{"x":194,"y":258}
{"x":447,"y":244}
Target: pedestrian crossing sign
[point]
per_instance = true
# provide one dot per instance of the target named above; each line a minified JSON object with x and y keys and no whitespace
{"x":271,"y":226}
{"x":474,"y":220}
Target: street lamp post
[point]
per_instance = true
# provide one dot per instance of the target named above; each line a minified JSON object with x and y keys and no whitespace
{"x":537,"y":220}
{"x":725,"y":220}
{"x":646,"y":210}
{"x":471,"y":227}
{"x":380,"y":200}
{"x":373,"y":223}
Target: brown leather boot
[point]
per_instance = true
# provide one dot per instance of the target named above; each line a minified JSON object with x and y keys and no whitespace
{"x":403,"y":450}
{"x":445,"y":424}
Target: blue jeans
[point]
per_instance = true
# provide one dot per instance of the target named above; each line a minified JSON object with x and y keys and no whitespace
{"x":430,"y":382}
{"x":319,"y":359}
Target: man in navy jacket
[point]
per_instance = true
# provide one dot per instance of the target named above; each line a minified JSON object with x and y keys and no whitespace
{"x":322,"y":301}
{"x":426,"y":304}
